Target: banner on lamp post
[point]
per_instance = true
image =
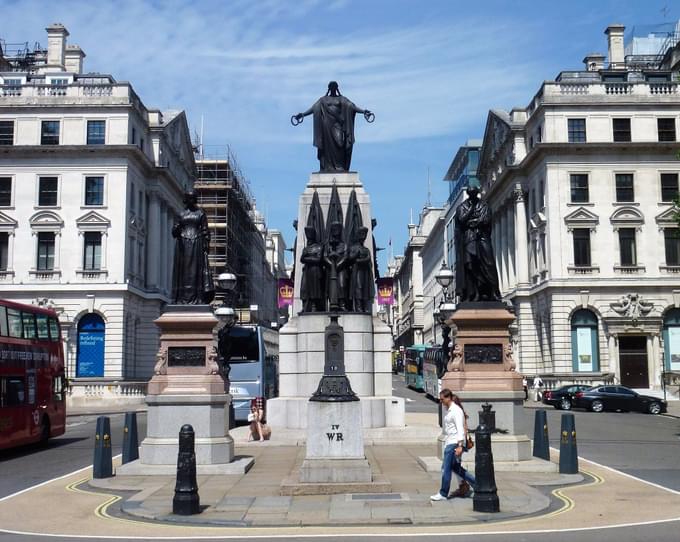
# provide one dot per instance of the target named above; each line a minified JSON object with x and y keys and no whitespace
{"x":285,"y":289}
{"x":385,"y":291}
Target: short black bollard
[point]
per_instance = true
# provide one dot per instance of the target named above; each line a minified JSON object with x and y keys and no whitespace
{"x":541,"y":443}
{"x":130,"y":441}
{"x":103,"y":461}
{"x":186,"y":501}
{"x":485,"y":498}
{"x":568,"y":451}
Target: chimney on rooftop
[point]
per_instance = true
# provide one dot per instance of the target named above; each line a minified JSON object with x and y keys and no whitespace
{"x":594,"y":62}
{"x":56,"y":47}
{"x":73,"y":59}
{"x":615,"y":39}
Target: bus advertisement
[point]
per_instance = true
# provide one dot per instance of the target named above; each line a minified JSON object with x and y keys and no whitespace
{"x":413,"y":366}
{"x":254,"y":366}
{"x":32,"y":378}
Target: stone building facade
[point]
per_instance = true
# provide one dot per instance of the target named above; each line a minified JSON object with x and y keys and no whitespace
{"x":582,"y":183}
{"x":91,"y":181}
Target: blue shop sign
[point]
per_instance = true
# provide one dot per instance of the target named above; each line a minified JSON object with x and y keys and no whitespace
{"x":91,"y":330}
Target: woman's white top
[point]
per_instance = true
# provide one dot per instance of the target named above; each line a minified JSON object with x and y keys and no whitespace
{"x":454,"y":425}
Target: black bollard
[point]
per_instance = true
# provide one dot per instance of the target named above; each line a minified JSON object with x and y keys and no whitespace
{"x":541,"y":443}
{"x":130,"y":442}
{"x":186,"y":501}
{"x":485,"y":498}
{"x":568,"y":451}
{"x":488,"y":417}
{"x":103,"y":461}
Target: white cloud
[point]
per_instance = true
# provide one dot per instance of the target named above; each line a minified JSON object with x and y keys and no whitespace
{"x":248,"y":66}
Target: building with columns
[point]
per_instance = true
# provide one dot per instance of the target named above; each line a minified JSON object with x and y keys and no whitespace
{"x":409,"y":316}
{"x":91,"y":181}
{"x":582,"y":183}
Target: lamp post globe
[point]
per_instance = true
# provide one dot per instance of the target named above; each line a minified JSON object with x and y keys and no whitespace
{"x":226,"y":281}
{"x":444,"y":277}
{"x":226,"y":315}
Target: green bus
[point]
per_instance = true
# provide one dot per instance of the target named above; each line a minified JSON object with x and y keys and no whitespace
{"x":413,"y":366}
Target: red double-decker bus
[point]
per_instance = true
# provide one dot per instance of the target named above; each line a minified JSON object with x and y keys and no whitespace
{"x":32,"y":379}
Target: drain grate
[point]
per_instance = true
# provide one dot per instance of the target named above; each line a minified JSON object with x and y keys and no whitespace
{"x":378,"y":497}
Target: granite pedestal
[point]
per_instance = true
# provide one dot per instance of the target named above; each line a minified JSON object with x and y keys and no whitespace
{"x":187,"y":388}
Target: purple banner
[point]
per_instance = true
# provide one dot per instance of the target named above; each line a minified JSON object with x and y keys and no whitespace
{"x":385,"y":291}
{"x":285,"y":290}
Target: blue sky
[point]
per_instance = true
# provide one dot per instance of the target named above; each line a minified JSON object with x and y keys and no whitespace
{"x":430,"y":70}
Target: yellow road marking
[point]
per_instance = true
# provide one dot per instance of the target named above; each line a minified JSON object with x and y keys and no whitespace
{"x":102,"y":510}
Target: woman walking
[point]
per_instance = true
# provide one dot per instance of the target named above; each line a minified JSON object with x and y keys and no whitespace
{"x":467,"y":480}
{"x":455,"y":442}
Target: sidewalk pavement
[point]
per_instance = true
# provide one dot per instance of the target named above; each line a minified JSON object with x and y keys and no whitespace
{"x":248,"y":505}
{"x":254,"y":499}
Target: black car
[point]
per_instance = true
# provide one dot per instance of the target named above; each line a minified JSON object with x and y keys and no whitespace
{"x":617,"y":398}
{"x":563,"y":397}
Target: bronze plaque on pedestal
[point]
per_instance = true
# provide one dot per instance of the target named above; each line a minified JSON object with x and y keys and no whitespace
{"x":186,"y":356}
{"x":483,"y":353}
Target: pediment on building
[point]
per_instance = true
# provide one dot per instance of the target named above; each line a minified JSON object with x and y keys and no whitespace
{"x":7,"y":221}
{"x":627,"y":216}
{"x":93,"y":220}
{"x":669,"y":217}
{"x":581,"y":217}
{"x":497,"y":145}
{"x":46,"y":218}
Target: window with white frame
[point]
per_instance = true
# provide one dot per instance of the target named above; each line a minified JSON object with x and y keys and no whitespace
{"x":6,"y":191}
{"x":94,"y":190}
{"x":48,"y":191}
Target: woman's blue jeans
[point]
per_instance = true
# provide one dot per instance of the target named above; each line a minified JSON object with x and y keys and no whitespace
{"x":452,"y":463}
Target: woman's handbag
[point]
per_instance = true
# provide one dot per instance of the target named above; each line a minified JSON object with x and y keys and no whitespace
{"x":469,"y":444}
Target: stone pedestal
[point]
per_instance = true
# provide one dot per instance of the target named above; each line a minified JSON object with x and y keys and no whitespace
{"x":368,"y":364}
{"x":187,"y":388}
{"x":335,"y":444}
{"x":482,"y":370}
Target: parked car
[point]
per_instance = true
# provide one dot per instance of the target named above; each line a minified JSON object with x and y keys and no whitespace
{"x":563,"y":398}
{"x":617,"y":398}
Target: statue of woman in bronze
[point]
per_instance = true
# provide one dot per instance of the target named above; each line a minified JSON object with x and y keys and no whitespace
{"x":333,"y":128}
{"x":361,"y":290}
{"x":192,"y":279}
{"x":335,"y":258}
{"x":312,"y":287}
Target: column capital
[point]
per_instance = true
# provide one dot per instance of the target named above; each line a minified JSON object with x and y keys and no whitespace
{"x":518,"y":194}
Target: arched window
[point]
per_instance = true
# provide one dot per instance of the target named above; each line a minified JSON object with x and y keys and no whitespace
{"x":584,"y":344}
{"x":91,"y":332}
{"x":671,"y":340}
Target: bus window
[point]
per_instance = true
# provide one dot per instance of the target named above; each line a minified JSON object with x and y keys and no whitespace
{"x":58,"y":388}
{"x":244,"y":344}
{"x":28,"y":319}
{"x":54,"y":330}
{"x":13,"y":393}
{"x":43,"y":329}
{"x":3,"y":321}
{"x":14,"y":321}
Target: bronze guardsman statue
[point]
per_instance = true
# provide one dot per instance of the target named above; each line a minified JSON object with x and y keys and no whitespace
{"x":335,"y":258}
{"x":192,"y":278}
{"x":333,"y":128}
{"x":312,"y":288}
{"x":361,"y":289}
{"x":476,"y":274}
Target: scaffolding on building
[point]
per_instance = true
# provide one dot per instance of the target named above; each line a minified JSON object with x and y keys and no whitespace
{"x":224,"y":193}
{"x":19,"y":57}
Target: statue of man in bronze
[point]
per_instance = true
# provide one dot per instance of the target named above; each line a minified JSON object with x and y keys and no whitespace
{"x":476,"y":275}
{"x":312,"y":287}
{"x":192,"y":279}
{"x":361,"y":289}
{"x":335,"y":258}
{"x":333,"y":128}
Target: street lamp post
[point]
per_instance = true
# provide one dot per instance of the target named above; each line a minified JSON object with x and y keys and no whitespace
{"x":227,"y":315}
{"x":444,"y":278}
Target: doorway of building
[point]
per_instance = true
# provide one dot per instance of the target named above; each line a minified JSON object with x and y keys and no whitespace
{"x":633,"y":361}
